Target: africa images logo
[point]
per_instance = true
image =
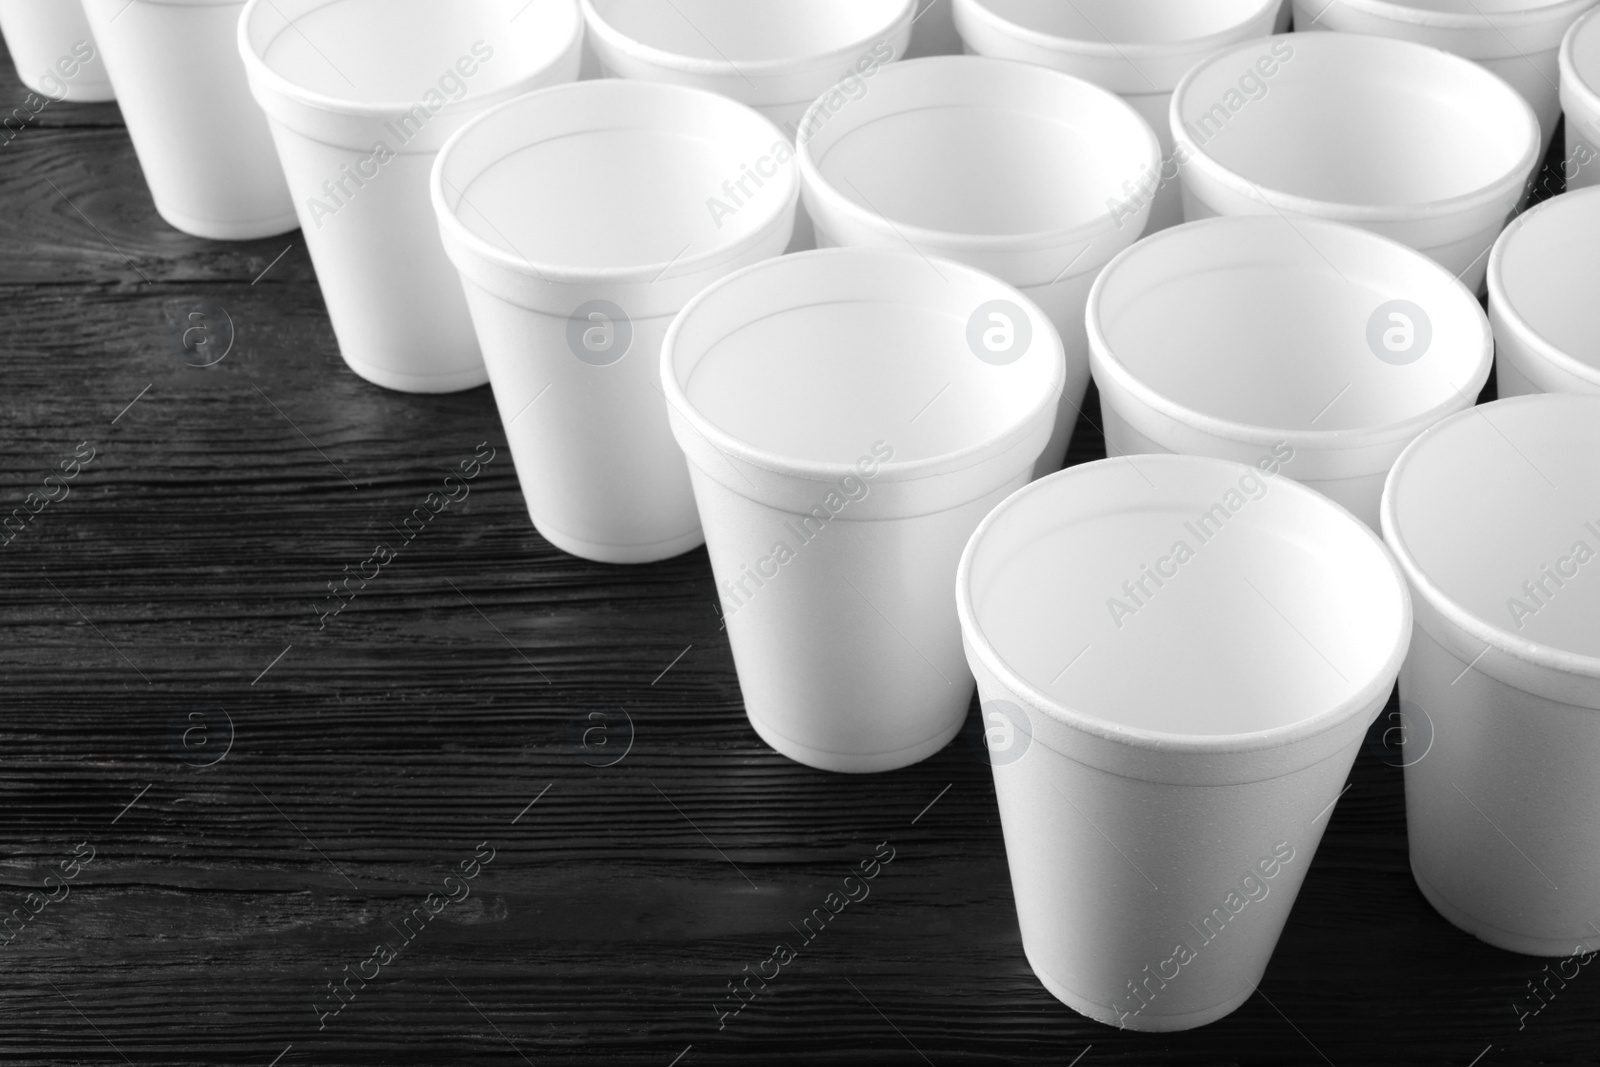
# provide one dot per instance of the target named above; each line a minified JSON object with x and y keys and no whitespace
{"x":1007,"y":731}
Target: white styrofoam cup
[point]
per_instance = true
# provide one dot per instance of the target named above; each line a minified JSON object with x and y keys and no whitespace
{"x":1178,"y":658}
{"x":777,"y":56}
{"x":202,"y":141}
{"x":578,"y":218}
{"x":849,"y":416}
{"x":360,"y":96}
{"x":1392,"y":136}
{"x":1516,"y":39}
{"x":1139,"y":49}
{"x":1495,"y":518}
{"x":1316,"y":348}
{"x":53,"y":50}
{"x":1005,"y":166}
{"x":1580,"y":100}
{"x":1544,"y":274}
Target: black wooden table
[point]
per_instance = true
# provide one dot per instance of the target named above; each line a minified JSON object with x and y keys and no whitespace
{"x":267,"y":798}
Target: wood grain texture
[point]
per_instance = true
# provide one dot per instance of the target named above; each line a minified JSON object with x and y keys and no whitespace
{"x":366,"y":759}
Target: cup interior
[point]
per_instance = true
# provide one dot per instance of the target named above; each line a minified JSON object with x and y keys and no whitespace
{"x":749,"y":31}
{"x":1185,"y":596}
{"x":1267,"y":324}
{"x":968,"y":145}
{"x":813,"y":358}
{"x":615,"y":175}
{"x":1498,"y":509}
{"x":1102,"y":22}
{"x":406,"y":52}
{"x":1551,"y":279}
{"x":1352,"y":119}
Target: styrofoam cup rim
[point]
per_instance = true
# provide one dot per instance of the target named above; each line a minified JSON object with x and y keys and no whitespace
{"x":1505,"y":187}
{"x":1096,"y":226}
{"x":262,"y":71}
{"x":194,"y":3}
{"x":1553,"y":10}
{"x":1103,"y":355}
{"x":693,"y":65}
{"x":1506,"y":308}
{"x":1572,"y":79}
{"x":893,"y":471}
{"x":1198,"y":47}
{"x":1361,"y":698}
{"x":482,"y":249}
{"x":1533,"y":653}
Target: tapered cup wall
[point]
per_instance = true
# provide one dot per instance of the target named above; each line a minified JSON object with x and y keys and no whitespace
{"x":849,"y":417}
{"x":1543,"y":275}
{"x":53,"y":50}
{"x":1311,"y":348}
{"x":1494,"y":516}
{"x":1580,"y":99}
{"x":578,"y":218}
{"x":1518,"y":40}
{"x":203,"y":143}
{"x":1177,"y":659}
{"x":1392,"y":136}
{"x":1139,"y":49}
{"x":361,"y":94}
{"x":1010,"y":168}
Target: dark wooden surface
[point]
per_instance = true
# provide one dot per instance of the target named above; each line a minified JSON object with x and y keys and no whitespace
{"x":174,"y":588}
